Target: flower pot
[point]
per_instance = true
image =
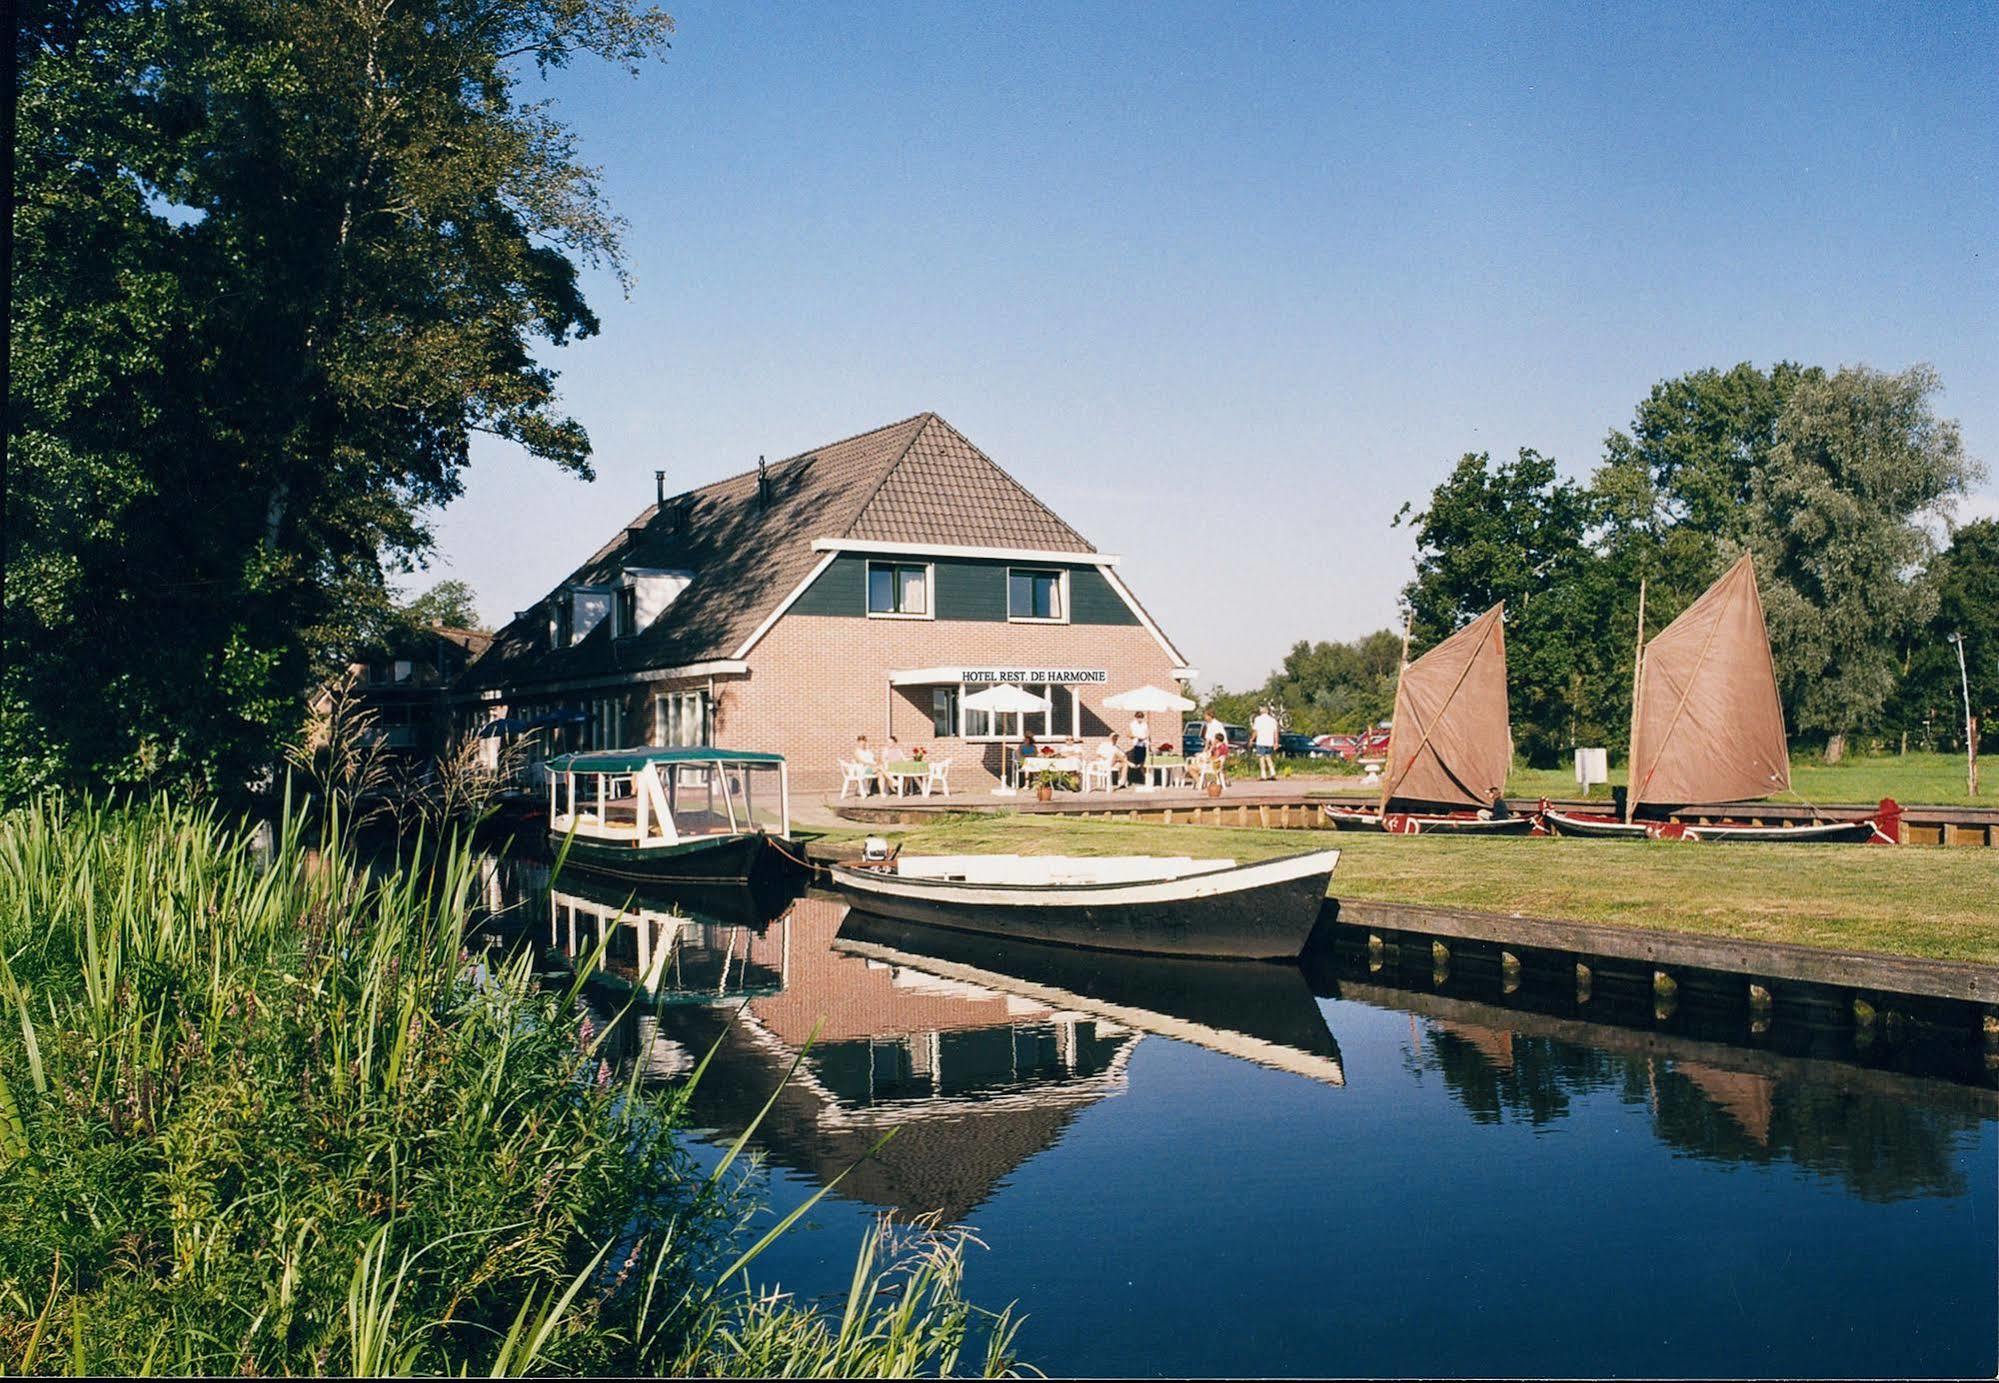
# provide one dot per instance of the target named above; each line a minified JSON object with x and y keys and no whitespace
{"x":1044,"y":793}
{"x":1214,"y":789}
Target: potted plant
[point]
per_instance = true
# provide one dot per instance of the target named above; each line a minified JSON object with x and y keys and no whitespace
{"x":1043,"y":792}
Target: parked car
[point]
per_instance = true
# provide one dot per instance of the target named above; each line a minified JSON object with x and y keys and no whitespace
{"x":1295,"y":745}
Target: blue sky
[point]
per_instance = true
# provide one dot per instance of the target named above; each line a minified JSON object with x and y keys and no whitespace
{"x":1226,"y":285}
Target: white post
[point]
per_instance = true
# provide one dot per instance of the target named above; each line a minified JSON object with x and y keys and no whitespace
{"x":1970,"y":725}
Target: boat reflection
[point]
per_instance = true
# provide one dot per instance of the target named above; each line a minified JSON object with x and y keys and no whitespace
{"x":706,"y":944}
{"x":1259,"y":1012}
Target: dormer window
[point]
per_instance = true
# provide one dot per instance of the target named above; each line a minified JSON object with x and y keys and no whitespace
{"x":589,"y":607}
{"x":625,"y":619}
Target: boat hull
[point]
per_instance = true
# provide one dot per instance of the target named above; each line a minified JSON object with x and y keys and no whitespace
{"x":1426,"y":823}
{"x":720,"y":859}
{"x":1592,"y":827}
{"x":1252,"y":912}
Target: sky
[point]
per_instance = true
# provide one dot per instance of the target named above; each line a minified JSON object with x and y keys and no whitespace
{"x":1226,"y":285}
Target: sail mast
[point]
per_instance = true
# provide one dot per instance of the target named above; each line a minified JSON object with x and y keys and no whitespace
{"x":1637,"y":682}
{"x":1395,"y":725}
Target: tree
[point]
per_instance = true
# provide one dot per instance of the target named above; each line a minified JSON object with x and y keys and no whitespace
{"x":1839,"y":521}
{"x":450,"y":603}
{"x":277,"y":260}
{"x":1965,"y":581}
{"x":1516,"y":532}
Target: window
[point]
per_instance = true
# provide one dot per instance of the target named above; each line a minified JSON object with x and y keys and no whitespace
{"x":588,"y":609}
{"x":944,"y":712}
{"x":681,"y":719}
{"x":626,"y":620}
{"x":558,"y":623}
{"x":1036,"y":595}
{"x":1058,"y":723}
{"x":607,"y":723}
{"x":899,"y":589}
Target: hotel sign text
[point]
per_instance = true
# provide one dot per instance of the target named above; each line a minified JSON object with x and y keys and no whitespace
{"x":1039,"y":676}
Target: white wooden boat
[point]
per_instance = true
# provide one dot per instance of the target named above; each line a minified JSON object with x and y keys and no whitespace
{"x":1149,"y":904}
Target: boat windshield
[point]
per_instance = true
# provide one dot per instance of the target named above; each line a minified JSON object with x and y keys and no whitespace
{"x":671,"y":800}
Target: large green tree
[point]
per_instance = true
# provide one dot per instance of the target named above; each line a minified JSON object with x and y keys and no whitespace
{"x":1965,"y":580}
{"x":1840,"y":520}
{"x":277,"y":261}
{"x":1518,"y":532}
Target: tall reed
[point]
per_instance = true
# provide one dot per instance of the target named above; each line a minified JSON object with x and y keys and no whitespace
{"x":270,"y":1116}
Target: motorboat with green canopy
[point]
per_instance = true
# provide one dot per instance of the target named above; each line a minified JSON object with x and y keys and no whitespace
{"x":681,"y":815}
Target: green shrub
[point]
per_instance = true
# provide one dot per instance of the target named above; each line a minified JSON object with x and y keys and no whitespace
{"x":272,"y":1117}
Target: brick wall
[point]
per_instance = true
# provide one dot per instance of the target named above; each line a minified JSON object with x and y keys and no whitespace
{"x":817,"y":681}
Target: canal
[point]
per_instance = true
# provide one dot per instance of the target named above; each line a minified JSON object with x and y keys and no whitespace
{"x":1186,"y":1168}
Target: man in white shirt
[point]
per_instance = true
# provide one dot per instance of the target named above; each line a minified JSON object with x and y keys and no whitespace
{"x":1141,"y":742}
{"x":1263,"y":733}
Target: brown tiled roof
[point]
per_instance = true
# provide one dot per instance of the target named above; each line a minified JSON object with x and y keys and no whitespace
{"x":916,"y":481}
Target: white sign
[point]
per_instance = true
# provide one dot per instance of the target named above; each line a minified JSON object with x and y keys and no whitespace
{"x":1039,"y":676}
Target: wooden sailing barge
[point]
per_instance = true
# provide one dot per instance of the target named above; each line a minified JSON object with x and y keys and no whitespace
{"x":1707,"y":729}
{"x":1450,"y":743}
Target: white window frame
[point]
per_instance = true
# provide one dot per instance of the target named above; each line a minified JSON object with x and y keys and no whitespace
{"x":929,"y":589}
{"x":997,"y":719}
{"x":1062,"y":588}
{"x":670,"y":708}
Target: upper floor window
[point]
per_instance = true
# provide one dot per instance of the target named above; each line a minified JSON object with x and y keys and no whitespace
{"x":589,"y":607}
{"x":626,"y":621}
{"x":899,"y":588}
{"x":1035,"y":594}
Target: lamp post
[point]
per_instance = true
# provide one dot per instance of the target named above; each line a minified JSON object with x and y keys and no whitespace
{"x":1970,"y":725}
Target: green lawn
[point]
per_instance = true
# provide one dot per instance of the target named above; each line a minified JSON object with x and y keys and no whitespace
{"x":1912,"y":900}
{"x":1911,"y":779}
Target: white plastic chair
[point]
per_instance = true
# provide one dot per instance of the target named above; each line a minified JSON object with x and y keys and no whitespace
{"x":857,"y":776}
{"x":1209,"y":768}
{"x":939,"y":778}
{"x":1097,"y":775}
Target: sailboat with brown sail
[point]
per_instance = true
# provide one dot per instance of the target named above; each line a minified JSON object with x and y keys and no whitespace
{"x":1707,"y":730}
{"x":1450,"y":743}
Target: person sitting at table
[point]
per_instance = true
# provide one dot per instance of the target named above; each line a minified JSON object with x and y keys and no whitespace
{"x":1024,"y":751}
{"x":864,"y":755}
{"x":1111,"y":754}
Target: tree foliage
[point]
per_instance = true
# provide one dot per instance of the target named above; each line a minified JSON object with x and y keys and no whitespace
{"x":277,"y":261}
{"x":450,"y":603}
{"x":1517,"y":532}
{"x":1324,"y":687}
{"x":1964,"y":581}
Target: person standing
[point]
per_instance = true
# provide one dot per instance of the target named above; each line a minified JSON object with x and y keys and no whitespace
{"x":1141,"y":743}
{"x":1263,"y":733}
{"x":1214,"y":731}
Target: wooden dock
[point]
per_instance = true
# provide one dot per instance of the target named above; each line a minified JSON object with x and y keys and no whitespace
{"x":1285,"y":807}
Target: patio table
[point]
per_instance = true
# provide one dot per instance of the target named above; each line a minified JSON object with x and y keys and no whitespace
{"x":1167,"y":766}
{"x":898,"y":774}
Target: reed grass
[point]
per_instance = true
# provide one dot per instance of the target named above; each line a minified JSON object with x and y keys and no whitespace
{"x":268,"y":1115}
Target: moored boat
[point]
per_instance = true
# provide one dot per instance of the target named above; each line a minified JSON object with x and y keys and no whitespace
{"x":1151,"y":905}
{"x":1450,"y":743}
{"x":1465,"y":823}
{"x":1878,"y":828}
{"x":1707,"y":731}
{"x":694,"y":815}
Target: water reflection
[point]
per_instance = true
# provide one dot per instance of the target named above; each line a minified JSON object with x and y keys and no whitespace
{"x":1146,"y":1144}
{"x":1885,"y":1134}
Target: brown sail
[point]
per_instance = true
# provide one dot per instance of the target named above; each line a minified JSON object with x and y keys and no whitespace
{"x":1706,"y":724}
{"x":1450,"y":742}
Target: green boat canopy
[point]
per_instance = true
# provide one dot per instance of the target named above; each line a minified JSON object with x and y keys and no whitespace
{"x":631,"y":760}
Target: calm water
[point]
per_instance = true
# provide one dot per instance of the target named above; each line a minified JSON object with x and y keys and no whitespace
{"x":1195,"y":1168}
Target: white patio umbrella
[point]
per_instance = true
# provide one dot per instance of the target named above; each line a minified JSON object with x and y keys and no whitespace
{"x":1149,"y":698}
{"x":1004,"y":698}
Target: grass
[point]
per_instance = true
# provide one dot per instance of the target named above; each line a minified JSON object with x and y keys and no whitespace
{"x":1935,"y":780}
{"x":268,"y":1116}
{"x":1915,"y":901}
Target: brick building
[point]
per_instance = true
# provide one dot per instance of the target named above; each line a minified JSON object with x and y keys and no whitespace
{"x":864,"y":587}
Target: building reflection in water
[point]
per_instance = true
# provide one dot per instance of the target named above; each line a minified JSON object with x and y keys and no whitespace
{"x":978,"y":1058}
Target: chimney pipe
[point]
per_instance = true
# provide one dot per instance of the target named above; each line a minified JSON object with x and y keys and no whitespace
{"x":659,"y":486}
{"x":763,"y":482}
